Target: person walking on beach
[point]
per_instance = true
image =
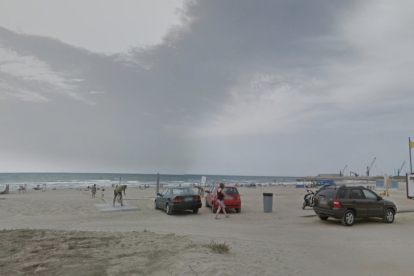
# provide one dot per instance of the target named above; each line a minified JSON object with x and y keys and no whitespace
{"x":118,"y":192}
{"x":220,"y":201}
{"x":93,"y":191}
{"x":103,"y":192}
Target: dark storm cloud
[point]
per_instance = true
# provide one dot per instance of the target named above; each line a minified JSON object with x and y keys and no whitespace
{"x":225,"y":43}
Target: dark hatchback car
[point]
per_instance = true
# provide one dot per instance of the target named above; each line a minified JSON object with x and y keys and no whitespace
{"x":347,"y":203}
{"x":177,"y":198}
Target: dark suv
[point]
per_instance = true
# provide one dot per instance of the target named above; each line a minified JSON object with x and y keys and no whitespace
{"x":347,"y":203}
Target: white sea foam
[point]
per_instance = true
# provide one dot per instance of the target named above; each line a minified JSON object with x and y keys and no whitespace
{"x":107,"y":181}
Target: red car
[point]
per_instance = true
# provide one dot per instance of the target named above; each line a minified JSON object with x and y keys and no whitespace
{"x":232,"y":200}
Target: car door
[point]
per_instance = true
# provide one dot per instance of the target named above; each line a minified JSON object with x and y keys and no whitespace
{"x":375,"y":206}
{"x":357,"y":198}
{"x":208,"y":197}
{"x":163,"y":199}
{"x":212,"y":195}
{"x":158,"y":200}
{"x":344,"y":199}
{"x":167,"y":196}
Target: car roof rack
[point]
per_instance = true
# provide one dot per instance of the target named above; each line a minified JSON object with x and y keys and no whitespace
{"x":334,"y":186}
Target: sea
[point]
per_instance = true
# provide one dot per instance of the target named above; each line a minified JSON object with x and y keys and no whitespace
{"x":83,"y":180}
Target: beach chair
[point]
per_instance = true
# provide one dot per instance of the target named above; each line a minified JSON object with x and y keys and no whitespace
{"x":7,"y":190}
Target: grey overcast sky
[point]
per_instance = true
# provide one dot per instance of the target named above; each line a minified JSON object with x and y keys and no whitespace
{"x":104,"y":26}
{"x":237,"y":87}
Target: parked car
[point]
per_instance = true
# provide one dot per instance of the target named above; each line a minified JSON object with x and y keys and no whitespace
{"x":347,"y":203}
{"x":232,"y":200}
{"x":178,"y":198}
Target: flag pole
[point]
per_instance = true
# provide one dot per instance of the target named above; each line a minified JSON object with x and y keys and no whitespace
{"x":158,"y":184}
{"x":409,"y":147}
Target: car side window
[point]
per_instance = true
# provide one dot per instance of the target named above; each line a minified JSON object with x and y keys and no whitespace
{"x":356,"y":194}
{"x":342,"y":193}
{"x":370,"y":195}
{"x":165,"y":192}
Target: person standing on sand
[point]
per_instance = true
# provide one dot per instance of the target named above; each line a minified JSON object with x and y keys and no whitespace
{"x":220,"y":201}
{"x":103,"y":192}
{"x":118,"y":192}
{"x":93,"y":191}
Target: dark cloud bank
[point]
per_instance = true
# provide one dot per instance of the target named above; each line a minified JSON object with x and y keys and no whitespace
{"x":243,"y":87}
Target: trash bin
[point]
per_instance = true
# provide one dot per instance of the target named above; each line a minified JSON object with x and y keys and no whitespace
{"x":267,"y":202}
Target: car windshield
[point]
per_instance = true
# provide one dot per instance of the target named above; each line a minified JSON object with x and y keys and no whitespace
{"x":182,"y":191}
{"x":328,"y":192}
{"x":231,"y":191}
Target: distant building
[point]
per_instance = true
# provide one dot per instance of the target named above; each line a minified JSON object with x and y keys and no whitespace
{"x":329,"y":175}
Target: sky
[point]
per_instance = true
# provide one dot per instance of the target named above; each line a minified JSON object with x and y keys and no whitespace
{"x":237,"y":87}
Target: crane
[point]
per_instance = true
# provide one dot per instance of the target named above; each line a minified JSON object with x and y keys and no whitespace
{"x":341,"y":173}
{"x":350,"y":173}
{"x":369,"y":168}
{"x":399,"y":170}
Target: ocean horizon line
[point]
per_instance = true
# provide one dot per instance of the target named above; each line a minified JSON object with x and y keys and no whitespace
{"x":191,"y":174}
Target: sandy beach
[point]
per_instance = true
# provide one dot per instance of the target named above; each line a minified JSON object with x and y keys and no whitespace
{"x":63,"y":232}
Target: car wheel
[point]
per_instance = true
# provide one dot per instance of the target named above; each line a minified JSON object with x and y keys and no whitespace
{"x":348,"y":218}
{"x":213,"y":209}
{"x":238,"y":210}
{"x":322,"y":217}
{"x":155,"y":205}
{"x":195,"y":211}
{"x":388,"y":216}
{"x":168,"y":209}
